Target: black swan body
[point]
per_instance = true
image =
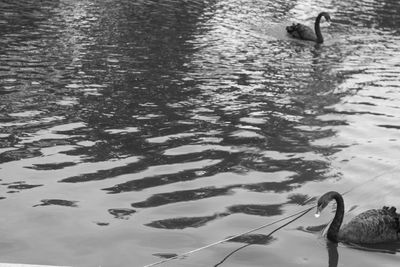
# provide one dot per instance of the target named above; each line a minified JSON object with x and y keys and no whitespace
{"x":304,"y":32}
{"x":371,"y":226}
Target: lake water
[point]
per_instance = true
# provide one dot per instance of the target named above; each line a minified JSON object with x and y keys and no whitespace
{"x":135,"y":130}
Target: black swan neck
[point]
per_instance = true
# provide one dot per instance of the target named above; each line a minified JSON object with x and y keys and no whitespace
{"x":317,"y":28}
{"x":333,"y":230}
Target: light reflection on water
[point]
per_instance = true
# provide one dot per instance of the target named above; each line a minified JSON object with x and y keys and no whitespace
{"x":130,"y":129}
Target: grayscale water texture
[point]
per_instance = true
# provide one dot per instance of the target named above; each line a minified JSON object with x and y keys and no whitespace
{"x":132,"y":130}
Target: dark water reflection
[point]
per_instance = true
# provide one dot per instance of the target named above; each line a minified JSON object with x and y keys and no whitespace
{"x":197,"y":116}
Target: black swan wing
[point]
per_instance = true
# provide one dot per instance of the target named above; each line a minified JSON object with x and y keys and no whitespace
{"x":372,"y":226}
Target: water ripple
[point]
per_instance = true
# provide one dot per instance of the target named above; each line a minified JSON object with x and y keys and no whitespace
{"x":199,"y":116}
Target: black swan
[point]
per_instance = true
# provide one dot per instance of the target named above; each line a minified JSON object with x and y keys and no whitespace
{"x":306,"y":33}
{"x":371,"y":226}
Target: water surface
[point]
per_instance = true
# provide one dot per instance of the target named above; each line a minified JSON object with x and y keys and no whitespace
{"x":133,"y":130}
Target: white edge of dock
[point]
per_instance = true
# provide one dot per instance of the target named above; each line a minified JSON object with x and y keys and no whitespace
{"x":27,"y":265}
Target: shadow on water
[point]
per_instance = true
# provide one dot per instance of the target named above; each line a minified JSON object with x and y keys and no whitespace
{"x":249,"y":209}
{"x":390,"y":248}
{"x":333,"y":254}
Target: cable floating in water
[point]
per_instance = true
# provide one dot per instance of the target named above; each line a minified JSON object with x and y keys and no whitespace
{"x":298,"y":214}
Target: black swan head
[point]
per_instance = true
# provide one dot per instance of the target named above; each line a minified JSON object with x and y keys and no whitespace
{"x":323,"y":201}
{"x":325,"y":15}
{"x":317,"y":28}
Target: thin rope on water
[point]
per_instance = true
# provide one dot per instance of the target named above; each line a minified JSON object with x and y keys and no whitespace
{"x":298,"y":214}
{"x":392,"y":170}
{"x":275,"y":230}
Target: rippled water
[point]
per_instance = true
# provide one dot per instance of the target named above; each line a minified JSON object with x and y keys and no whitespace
{"x":133,"y":130}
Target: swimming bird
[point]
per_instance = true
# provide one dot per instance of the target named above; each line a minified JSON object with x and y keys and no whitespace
{"x":304,"y":32}
{"x":371,"y":226}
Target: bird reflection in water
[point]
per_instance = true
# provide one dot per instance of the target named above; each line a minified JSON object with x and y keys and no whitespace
{"x":332,"y":253}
